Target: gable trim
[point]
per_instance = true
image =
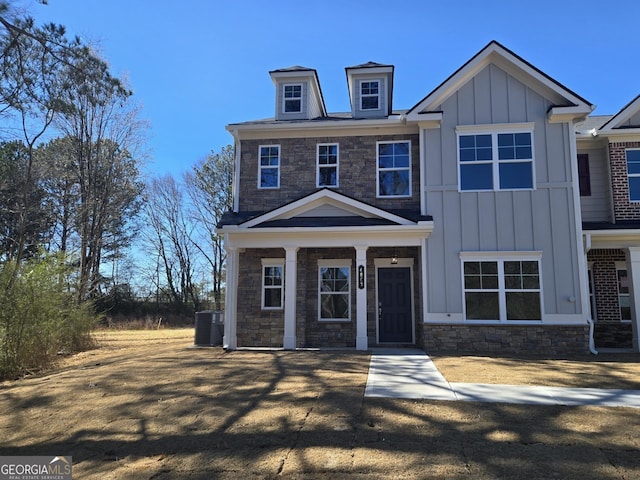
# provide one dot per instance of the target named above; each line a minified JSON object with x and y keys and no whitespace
{"x":483,"y":58}
{"x":628,"y":111}
{"x":322,"y":197}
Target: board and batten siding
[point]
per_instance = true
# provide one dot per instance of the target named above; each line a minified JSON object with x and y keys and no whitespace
{"x":597,"y":207}
{"x":542,"y":219}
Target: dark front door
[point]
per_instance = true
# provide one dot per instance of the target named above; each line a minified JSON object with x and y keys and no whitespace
{"x":394,"y":305}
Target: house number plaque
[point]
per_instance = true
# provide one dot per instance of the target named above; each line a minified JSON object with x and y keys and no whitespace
{"x":360,"y":277}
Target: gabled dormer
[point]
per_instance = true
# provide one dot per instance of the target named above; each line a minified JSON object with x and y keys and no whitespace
{"x":370,"y":90}
{"x":298,"y":94}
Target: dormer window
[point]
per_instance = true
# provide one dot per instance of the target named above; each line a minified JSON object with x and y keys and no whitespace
{"x":370,"y":95}
{"x":292,"y":98}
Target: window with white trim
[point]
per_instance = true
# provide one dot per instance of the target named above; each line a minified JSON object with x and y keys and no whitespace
{"x":292,"y":98}
{"x":369,"y":94}
{"x":502,"y":289}
{"x":394,"y":169}
{"x":269,"y":166}
{"x":334,"y":290}
{"x":496,"y":158}
{"x":272,"y":283}
{"x":327,"y":161}
{"x":633,"y":174}
{"x":624,"y":300}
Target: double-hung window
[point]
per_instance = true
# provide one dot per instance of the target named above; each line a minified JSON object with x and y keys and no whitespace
{"x":334,"y":290}
{"x":633,"y":174}
{"x":394,"y":169}
{"x":272,"y":283}
{"x":496,"y":157}
{"x":327,"y":155}
{"x":292,"y":97}
{"x":269,"y":166}
{"x":502,"y":289}
{"x":370,"y":95}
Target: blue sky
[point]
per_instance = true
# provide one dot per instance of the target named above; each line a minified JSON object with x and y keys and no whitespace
{"x":197,"y":65}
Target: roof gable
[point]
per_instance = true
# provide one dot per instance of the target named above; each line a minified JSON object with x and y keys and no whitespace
{"x":568,"y":104}
{"x":327,"y":203}
{"x":627,"y":117}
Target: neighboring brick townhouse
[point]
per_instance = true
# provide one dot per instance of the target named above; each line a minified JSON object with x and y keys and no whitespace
{"x":495,"y":215}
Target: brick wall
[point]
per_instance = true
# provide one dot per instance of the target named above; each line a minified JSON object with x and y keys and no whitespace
{"x":605,"y":279}
{"x":623,"y":208}
{"x":534,"y":339}
{"x":609,"y":331}
{"x":357,"y":171}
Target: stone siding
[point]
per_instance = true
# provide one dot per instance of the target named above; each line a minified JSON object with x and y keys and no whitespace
{"x":509,"y":339}
{"x":623,"y":208}
{"x":257,"y":327}
{"x":356,"y":164}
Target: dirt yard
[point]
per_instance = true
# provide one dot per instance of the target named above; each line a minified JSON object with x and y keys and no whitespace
{"x":144,"y":406}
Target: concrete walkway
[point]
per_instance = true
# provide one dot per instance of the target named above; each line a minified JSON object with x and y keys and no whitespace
{"x":410,"y":373}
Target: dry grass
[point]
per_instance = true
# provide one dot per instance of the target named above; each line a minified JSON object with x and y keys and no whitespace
{"x":145,"y":406}
{"x":601,"y":371}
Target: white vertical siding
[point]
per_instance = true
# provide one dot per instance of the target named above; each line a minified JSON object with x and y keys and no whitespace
{"x":537,"y":220}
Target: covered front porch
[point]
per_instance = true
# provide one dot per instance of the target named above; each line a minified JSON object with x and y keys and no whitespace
{"x":349,"y":278}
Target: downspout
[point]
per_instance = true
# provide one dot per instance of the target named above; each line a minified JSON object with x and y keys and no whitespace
{"x":592,"y":343}
{"x":583,"y":241}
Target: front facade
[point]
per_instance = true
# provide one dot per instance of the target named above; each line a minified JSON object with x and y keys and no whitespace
{"x":454,"y":225}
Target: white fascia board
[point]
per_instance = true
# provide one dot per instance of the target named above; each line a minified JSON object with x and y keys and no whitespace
{"x":393,"y":120}
{"x":622,"y":116}
{"x":319,"y":198}
{"x":496,"y":54}
{"x":622,"y":134}
{"x":618,"y":238}
{"x":568,"y":114}
{"x":329,"y":237}
{"x":426,"y":120}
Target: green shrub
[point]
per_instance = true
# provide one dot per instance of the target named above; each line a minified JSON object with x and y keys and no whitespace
{"x":39,"y":317}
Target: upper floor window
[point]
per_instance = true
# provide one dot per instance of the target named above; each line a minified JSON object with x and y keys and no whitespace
{"x":292,"y":98}
{"x":496,"y":160}
{"x":633,"y":173}
{"x":269,"y":166}
{"x":272,"y":283}
{"x":584,"y":177}
{"x":327,"y":165}
{"x":394,"y":169}
{"x":370,"y":95}
{"x":504,"y":289}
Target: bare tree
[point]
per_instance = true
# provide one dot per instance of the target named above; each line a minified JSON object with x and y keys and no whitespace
{"x":209,"y":186}
{"x":169,"y":238}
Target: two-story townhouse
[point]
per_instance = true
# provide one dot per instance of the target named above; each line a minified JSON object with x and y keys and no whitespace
{"x":609,"y":170}
{"x":454,"y":225}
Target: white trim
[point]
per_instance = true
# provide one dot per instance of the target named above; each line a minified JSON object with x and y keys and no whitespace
{"x":285,"y":99}
{"x":362,"y":95}
{"x":402,"y":263}
{"x":495,"y":162}
{"x":362,"y":338}
{"x":260,"y":167}
{"x":630,"y":175}
{"x":496,"y":54}
{"x":323,"y":197}
{"x":378,"y":169}
{"x":272,"y":262}
{"x":334,"y":263}
{"x":337,"y":164}
{"x":500,"y":258}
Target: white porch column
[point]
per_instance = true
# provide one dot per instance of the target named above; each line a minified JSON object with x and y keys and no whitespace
{"x":290,"y":294}
{"x":230,"y":340}
{"x":633,"y":272}
{"x":361,"y":297}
